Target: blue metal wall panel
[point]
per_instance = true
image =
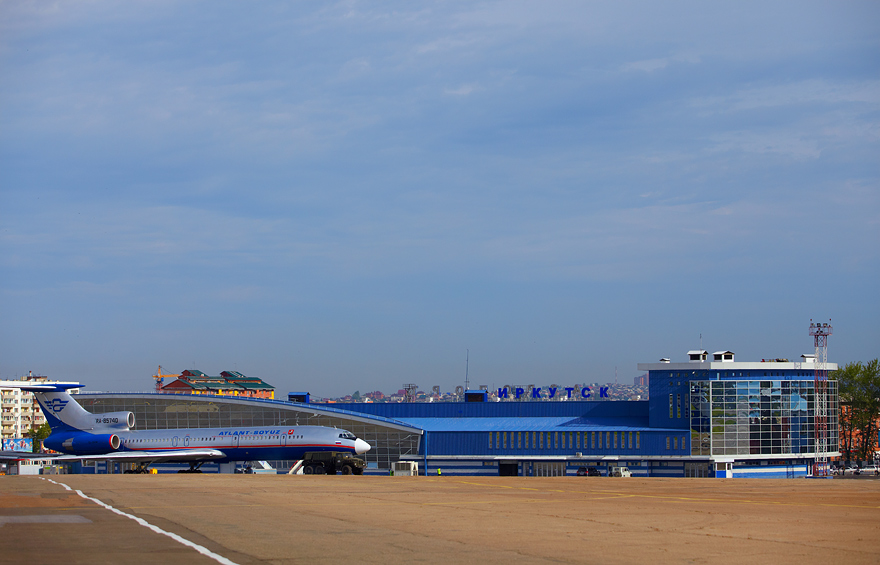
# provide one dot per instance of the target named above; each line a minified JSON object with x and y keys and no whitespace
{"x":528,"y":409}
{"x":771,"y":471}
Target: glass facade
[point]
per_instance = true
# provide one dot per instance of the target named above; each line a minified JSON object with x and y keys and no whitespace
{"x":160,"y":412}
{"x":757,"y":417}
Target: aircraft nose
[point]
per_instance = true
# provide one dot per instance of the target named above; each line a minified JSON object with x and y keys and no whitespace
{"x":360,"y":446}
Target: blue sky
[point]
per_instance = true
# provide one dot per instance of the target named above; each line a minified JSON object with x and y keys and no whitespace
{"x":349,"y":196}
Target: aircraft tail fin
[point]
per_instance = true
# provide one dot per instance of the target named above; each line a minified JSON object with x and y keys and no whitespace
{"x":62,"y":412}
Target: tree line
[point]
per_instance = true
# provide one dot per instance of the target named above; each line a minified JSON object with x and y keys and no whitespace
{"x":859,"y":394}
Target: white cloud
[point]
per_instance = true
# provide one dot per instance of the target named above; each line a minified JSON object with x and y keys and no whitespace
{"x":651,"y":65}
{"x":792,"y":144}
{"x":463,"y":90}
{"x":792,"y":94}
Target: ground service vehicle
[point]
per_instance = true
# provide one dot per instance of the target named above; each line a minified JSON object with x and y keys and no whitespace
{"x":329,"y":462}
{"x":620,"y":472}
{"x":405,"y":469}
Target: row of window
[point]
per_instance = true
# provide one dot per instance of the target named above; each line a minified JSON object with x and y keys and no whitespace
{"x":565,"y":440}
{"x":673,"y":441}
{"x":173,"y":412}
{"x":675,"y":409}
{"x":740,"y":374}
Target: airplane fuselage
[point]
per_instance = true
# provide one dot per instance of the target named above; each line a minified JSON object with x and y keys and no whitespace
{"x":243,"y":443}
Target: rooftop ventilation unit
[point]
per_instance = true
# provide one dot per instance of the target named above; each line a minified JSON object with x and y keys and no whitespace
{"x":723,"y":356}
{"x":698,"y":355}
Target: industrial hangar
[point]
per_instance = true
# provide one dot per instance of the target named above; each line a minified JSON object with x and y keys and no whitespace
{"x":718,"y":418}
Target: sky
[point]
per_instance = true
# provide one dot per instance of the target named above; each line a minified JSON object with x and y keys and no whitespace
{"x":341,"y":196}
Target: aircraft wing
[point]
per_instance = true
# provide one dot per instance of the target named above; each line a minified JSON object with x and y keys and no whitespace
{"x":170,"y":455}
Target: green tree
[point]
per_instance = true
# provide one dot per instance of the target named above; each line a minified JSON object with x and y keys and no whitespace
{"x":38,"y":435}
{"x":859,"y":390}
{"x":847,"y":391}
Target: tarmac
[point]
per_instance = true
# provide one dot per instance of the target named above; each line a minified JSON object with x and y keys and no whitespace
{"x":285,"y":519}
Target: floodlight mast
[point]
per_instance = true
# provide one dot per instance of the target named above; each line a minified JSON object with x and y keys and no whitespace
{"x":820,"y":333}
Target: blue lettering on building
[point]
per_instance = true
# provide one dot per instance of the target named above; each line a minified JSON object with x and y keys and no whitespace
{"x":536,"y":394}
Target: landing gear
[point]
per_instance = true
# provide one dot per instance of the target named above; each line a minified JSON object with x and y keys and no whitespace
{"x":194,"y":467}
{"x":139,"y":469}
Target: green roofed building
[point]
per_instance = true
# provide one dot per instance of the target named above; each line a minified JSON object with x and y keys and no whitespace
{"x":229,"y":383}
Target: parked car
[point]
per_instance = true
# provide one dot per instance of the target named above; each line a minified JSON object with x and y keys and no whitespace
{"x":588,"y":472}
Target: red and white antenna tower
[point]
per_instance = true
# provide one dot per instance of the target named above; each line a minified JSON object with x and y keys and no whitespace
{"x":820,"y":333}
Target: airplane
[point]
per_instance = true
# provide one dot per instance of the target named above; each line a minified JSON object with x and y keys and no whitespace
{"x":80,"y":435}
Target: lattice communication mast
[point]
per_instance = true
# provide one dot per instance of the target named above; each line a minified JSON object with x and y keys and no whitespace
{"x":820,"y":333}
{"x":410,"y":392}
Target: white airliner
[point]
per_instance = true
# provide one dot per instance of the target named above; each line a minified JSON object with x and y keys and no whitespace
{"x":81,"y":435}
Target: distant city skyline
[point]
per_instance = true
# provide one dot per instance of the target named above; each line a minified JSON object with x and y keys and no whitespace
{"x":342,"y":196}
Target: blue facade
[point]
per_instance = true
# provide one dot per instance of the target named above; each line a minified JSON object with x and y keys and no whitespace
{"x":703,"y":419}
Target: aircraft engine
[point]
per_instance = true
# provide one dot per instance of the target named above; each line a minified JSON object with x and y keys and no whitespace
{"x":83,"y":444}
{"x":115,"y":420}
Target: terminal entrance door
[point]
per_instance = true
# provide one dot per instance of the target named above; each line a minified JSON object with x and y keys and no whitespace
{"x":549,"y":469}
{"x":699,"y":470}
{"x":508,"y":469}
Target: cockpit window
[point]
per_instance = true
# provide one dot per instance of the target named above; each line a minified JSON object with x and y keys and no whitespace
{"x":347,"y":435}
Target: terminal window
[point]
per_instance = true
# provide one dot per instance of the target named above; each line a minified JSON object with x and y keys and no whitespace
{"x":757,"y":417}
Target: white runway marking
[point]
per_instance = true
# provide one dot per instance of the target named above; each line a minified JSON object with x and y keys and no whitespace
{"x":203,"y":550}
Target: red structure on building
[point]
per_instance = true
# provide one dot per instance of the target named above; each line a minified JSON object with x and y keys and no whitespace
{"x":229,"y":383}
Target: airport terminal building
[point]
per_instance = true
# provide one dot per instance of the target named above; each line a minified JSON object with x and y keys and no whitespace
{"x":718,"y":418}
